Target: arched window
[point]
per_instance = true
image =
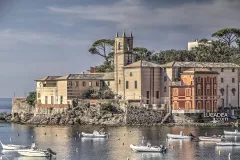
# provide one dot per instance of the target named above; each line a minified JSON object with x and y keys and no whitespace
{"x":222,"y":91}
{"x":165,"y":89}
{"x":175,"y":105}
{"x":233,"y":70}
{"x":187,"y":105}
{"x":199,"y":90}
{"x":119,"y":45}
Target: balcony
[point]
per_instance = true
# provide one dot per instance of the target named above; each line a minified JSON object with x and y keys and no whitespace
{"x":178,"y":83}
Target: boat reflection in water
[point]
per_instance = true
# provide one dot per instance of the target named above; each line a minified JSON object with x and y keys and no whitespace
{"x":31,"y":158}
{"x":84,"y":139}
{"x":152,"y":155}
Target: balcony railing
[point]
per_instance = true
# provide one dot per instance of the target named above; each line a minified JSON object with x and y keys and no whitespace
{"x":46,"y":89}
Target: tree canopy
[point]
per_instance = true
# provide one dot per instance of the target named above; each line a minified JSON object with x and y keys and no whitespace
{"x":31,"y":98}
{"x":100,"y":47}
{"x":227,"y":35}
{"x":142,"y":53}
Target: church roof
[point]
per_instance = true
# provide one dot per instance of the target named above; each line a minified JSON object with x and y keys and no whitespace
{"x":200,"y":65}
{"x":142,"y":63}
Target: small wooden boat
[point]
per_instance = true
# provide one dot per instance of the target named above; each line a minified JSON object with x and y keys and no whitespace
{"x":180,"y":136}
{"x":232,"y":133}
{"x":228,"y":144}
{"x":95,"y":134}
{"x":33,"y":153}
{"x":12,"y":146}
{"x":148,"y":148}
{"x":210,"y":139}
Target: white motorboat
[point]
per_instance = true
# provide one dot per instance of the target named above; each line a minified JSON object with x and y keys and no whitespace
{"x":33,"y":152}
{"x":95,"y":134}
{"x":180,"y":136}
{"x":228,"y":144}
{"x":210,"y":139}
{"x":232,"y":133}
{"x":148,"y":148}
{"x":12,"y":146}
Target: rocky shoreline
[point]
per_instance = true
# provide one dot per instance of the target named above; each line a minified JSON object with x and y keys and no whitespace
{"x":5,"y":117}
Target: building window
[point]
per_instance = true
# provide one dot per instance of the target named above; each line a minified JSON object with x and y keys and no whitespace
{"x":119,"y":81}
{"x":39,"y":95}
{"x":147,"y":101}
{"x":103,"y":83}
{"x":165,"y":89}
{"x":164,"y":70}
{"x":108,"y":83}
{"x":222,"y":70}
{"x":208,"y":79}
{"x":165,"y":79}
{"x":208,"y":106}
{"x":233,"y":70}
{"x":214,"y":80}
{"x":215,"y":90}
{"x":46,"y":99}
{"x":208,"y":90}
{"x":175,"y":92}
{"x":90,"y":84}
{"x":233,"y":91}
{"x":187,"y":106}
{"x":83,"y":83}
{"x":188,"y":92}
{"x":70,"y":83}
{"x":131,"y":74}
{"x":52,"y":100}
{"x":157,"y":94}
{"x":199,"y":79}
{"x":210,"y":69}
{"x":77,"y":83}
{"x":61,"y":99}
{"x":44,"y":85}
{"x":148,"y":95}
{"x":222,"y":91}
{"x":135,"y":84}
{"x":127,"y":85}
{"x":97,"y":84}
{"x":233,"y":80}
{"x":222,"y":80}
{"x":119,"y":45}
{"x":199,"y":90}
{"x":199,"y":105}
{"x":175,"y":105}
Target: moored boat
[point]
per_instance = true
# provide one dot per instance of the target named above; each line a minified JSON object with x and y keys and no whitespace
{"x":228,"y":144}
{"x":180,"y":136}
{"x":95,"y":134}
{"x":210,"y":139}
{"x":33,"y":152}
{"x":12,"y":146}
{"x":148,"y":148}
{"x":232,"y":132}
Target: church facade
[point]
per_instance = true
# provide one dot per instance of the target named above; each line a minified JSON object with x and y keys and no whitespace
{"x":148,"y":83}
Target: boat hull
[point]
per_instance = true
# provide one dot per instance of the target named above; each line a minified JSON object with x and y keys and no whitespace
{"x":93,"y":135}
{"x":33,"y":153}
{"x":12,"y":147}
{"x":209,"y":139}
{"x":177,"y":136}
{"x":232,"y":133}
{"x":228,"y":144}
{"x":146,"y":148}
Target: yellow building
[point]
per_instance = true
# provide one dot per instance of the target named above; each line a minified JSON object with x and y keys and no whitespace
{"x":139,"y":81}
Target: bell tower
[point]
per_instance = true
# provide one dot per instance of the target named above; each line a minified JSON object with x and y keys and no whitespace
{"x":123,"y":56}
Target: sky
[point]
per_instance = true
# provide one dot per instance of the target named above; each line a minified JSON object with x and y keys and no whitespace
{"x":52,"y":37}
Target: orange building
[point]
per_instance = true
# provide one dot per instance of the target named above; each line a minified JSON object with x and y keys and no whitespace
{"x":196,"y":92}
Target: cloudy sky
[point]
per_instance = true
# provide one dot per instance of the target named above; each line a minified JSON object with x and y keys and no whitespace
{"x":52,"y":37}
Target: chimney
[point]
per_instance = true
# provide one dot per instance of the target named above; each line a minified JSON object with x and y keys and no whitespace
{"x":116,"y":34}
{"x":124,"y":35}
{"x":92,"y":70}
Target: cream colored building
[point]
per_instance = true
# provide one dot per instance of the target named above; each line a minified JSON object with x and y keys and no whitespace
{"x":139,"y":81}
{"x":196,"y":43}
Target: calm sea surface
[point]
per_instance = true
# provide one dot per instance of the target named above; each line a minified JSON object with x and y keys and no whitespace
{"x":70,"y":146}
{"x":5,"y":105}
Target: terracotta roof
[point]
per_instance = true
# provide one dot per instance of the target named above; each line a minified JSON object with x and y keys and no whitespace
{"x":199,"y":70}
{"x":142,"y":64}
{"x":200,"y":65}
